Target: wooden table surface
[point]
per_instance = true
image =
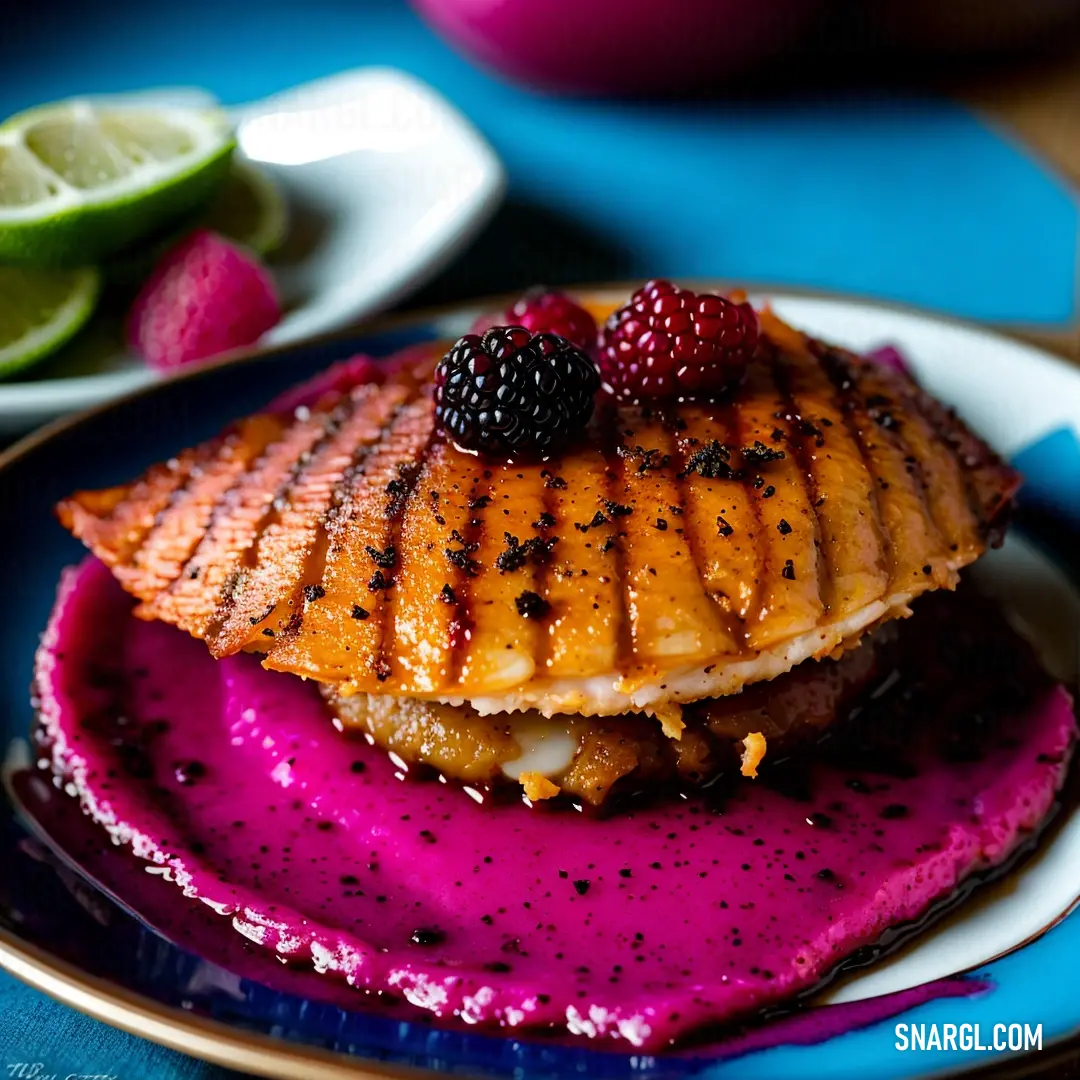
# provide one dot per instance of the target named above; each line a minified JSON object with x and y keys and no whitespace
{"x":1040,"y":107}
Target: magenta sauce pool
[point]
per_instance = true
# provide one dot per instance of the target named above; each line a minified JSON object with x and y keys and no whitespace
{"x":233,"y":784}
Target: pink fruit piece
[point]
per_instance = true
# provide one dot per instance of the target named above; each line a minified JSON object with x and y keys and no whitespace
{"x":891,"y":357}
{"x":206,"y":296}
{"x":670,"y":342}
{"x":554,"y":313}
{"x":543,"y":311}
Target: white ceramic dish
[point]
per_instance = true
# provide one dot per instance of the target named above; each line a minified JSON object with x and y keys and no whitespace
{"x":385,"y":182}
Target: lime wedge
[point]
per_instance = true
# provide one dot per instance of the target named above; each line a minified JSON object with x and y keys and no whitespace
{"x":40,"y":310}
{"x":79,"y":182}
{"x":249,"y":208}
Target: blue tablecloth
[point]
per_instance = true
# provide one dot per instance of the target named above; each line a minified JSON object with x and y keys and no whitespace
{"x":34,"y":1029}
{"x":914,"y":200}
{"x":909,"y":199}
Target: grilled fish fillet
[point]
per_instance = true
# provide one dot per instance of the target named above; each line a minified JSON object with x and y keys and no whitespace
{"x":680,"y":551}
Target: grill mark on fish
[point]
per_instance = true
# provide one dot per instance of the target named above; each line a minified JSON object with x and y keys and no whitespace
{"x":734,"y":625}
{"x":722,"y":514}
{"x":239,"y":519}
{"x":881,"y":404}
{"x":610,"y":441}
{"x":180,"y":526}
{"x":729,"y":420}
{"x":205,"y":455}
{"x":843,"y":387}
{"x":114,"y":522}
{"x":421,"y":608}
{"x":274,"y":568}
{"x":408,"y":475}
{"x":462,"y":626}
{"x":339,"y":571}
{"x":346,"y":444}
{"x":934,"y":418}
{"x":790,"y":601}
{"x":916,"y":539}
{"x":799,"y":436}
{"x":848,"y":520}
{"x":503,"y":647}
{"x":583,"y":625}
{"x":948,"y":498}
{"x":753,"y":498}
{"x":542,"y":573}
{"x":940,"y":419}
{"x":177,"y":469}
{"x":671,"y":614}
{"x":989,"y":481}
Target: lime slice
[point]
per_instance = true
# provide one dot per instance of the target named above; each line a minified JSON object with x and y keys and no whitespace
{"x":40,"y":310}
{"x":250,"y":209}
{"x":79,"y":182}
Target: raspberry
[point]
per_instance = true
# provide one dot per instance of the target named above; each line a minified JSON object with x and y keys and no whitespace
{"x":511,"y":391}
{"x":554,"y":313}
{"x":205,"y":296}
{"x":671,"y":342}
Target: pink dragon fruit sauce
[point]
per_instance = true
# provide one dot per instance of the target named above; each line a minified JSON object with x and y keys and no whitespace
{"x":643,"y":927}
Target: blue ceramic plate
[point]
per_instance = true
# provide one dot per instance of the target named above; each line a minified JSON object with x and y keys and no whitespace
{"x":1017,"y":940}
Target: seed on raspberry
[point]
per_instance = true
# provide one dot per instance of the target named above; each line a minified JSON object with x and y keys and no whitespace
{"x":671,"y":342}
{"x":512,"y":392}
{"x":555,"y":313}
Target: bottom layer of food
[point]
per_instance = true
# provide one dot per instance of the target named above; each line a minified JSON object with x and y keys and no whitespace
{"x":642,"y":926}
{"x":591,"y":759}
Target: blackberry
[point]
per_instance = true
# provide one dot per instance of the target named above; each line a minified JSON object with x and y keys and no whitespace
{"x":511,"y":392}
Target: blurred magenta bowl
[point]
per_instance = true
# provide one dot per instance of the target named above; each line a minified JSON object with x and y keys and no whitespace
{"x":619,"y":46}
